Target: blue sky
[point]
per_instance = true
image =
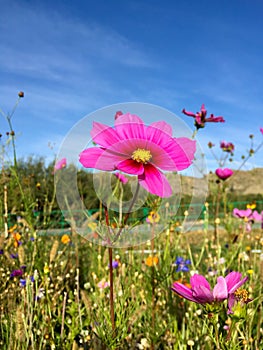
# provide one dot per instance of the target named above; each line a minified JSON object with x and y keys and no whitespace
{"x":72,"y":58}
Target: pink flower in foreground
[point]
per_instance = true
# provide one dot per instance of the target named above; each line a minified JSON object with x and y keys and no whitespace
{"x":201,"y":119}
{"x":136,"y":149}
{"x":200,"y":291}
{"x":224,"y":174}
{"x":60,"y":164}
{"x":121,"y":178}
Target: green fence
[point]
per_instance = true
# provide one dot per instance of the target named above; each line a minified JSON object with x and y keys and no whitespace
{"x":56,"y":220}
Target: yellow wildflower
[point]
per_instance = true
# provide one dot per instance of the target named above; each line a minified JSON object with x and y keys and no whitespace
{"x":153,"y":217}
{"x":251,"y":206}
{"x":46,"y":269}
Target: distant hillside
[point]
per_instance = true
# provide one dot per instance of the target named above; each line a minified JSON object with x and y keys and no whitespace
{"x":242,"y":183}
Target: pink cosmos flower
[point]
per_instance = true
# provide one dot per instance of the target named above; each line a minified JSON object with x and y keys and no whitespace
{"x":103,"y":284}
{"x":121,"y":178}
{"x":60,"y":164}
{"x":227,"y":146}
{"x":200,"y":291}
{"x":248,"y":216}
{"x":201,"y":119}
{"x":137,"y":149}
{"x":224,"y":174}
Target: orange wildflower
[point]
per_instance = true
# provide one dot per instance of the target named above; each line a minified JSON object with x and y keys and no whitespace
{"x":65,"y":239}
{"x":152,"y":260}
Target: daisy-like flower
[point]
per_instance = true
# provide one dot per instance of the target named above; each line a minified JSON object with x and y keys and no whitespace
{"x":224,"y":174}
{"x":137,"y":149}
{"x":201,"y":119}
{"x":200,"y":291}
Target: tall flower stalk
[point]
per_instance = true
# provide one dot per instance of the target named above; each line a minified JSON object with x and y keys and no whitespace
{"x":143,"y":151}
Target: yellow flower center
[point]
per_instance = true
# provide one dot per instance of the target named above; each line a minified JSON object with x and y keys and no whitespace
{"x":141,"y":155}
{"x":241,"y":295}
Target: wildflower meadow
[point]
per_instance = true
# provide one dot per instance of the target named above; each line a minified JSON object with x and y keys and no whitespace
{"x":104,"y":248}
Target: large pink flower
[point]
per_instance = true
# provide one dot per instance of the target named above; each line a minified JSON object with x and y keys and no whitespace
{"x":201,"y":293}
{"x":136,"y":149}
{"x":201,"y":119}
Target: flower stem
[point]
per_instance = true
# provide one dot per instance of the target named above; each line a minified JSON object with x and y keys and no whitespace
{"x":112,"y":314}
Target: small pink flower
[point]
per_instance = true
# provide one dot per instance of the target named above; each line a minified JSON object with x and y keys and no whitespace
{"x":103,"y":284}
{"x":224,"y":174}
{"x":248,"y":216}
{"x":121,"y":178}
{"x":137,"y":149}
{"x":201,"y":119}
{"x":60,"y":164}
{"x":227,"y":146}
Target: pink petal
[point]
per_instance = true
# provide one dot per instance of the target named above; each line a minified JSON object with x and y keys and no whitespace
{"x":230,"y":303}
{"x":103,"y":135}
{"x":242,"y":213}
{"x":203,"y":110}
{"x":174,"y":155}
{"x":237,"y":285}
{"x":162,"y":125}
{"x":131,"y":131}
{"x":190,"y":114}
{"x":256,"y":216}
{"x":232,"y":279}
{"x":130,"y":166}
{"x":220,"y":290}
{"x":202,"y":294}
{"x":98,"y":158}
{"x":199,"y":280}
{"x":184,"y":291}
{"x":130,"y":126}
{"x":154,"y":181}
{"x":128,"y":118}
